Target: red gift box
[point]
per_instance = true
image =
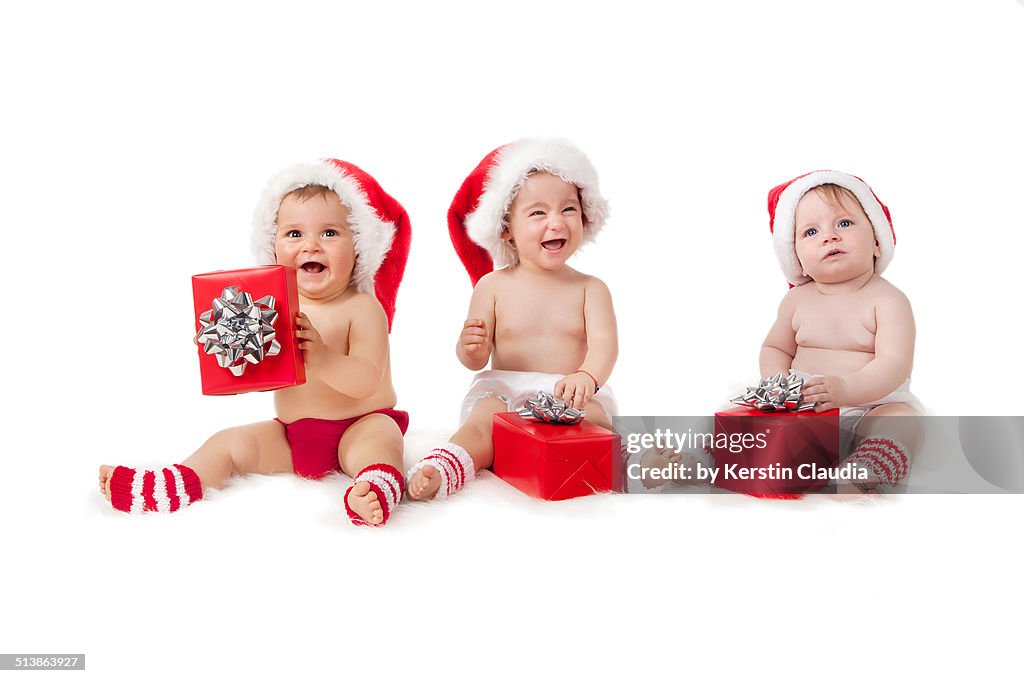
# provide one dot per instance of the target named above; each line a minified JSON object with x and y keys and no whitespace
{"x":784,"y":453}
{"x":553,"y":462}
{"x":285,"y":369}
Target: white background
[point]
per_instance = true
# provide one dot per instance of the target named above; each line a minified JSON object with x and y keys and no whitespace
{"x":135,"y":142}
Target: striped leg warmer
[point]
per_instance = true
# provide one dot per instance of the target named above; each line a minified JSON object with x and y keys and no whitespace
{"x":454,"y":465}
{"x":885,"y":458}
{"x":386,"y":482}
{"x":166,"y":490}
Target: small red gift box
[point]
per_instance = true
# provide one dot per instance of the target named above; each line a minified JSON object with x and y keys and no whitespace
{"x":553,"y":462}
{"x":775,"y":454}
{"x":247,"y":319}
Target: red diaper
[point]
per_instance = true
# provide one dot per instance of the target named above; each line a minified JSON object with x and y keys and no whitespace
{"x":314,"y":442}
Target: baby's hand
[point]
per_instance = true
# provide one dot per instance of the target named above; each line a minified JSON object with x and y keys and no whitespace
{"x":310,"y":342}
{"x":577,"y":388}
{"x":828,"y":392}
{"x":476,"y":343}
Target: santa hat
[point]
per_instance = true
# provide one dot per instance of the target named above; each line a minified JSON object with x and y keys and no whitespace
{"x":476,"y":218}
{"x":782,"y":201}
{"x":380,"y":226}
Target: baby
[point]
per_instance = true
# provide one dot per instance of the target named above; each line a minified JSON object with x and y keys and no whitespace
{"x":516,"y":220}
{"x":348,"y":241}
{"x":841,"y":326}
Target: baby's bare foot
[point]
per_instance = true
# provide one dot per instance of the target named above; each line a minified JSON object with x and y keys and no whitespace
{"x":862,"y":492}
{"x":364,"y":503}
{"x":106,"y":471}
{"x":424,"y":484}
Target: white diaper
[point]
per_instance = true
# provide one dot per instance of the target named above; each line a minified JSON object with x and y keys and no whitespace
{"x":515,"y":387}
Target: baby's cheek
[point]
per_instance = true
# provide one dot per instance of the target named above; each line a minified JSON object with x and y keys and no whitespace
{"x":283,"y":256}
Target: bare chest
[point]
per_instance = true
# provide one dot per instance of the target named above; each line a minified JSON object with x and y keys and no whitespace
{"x":547,"y":314}
{"x":844,"y":325}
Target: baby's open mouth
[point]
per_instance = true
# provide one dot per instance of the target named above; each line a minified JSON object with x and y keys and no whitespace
{"x":553,"y":245}
{"x":312,"y":267}
{"x":834,"y":252}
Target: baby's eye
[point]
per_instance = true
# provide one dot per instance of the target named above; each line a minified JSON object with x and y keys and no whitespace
{"x":810,"y":232}
{"x":293,"y":233}
{"x":569,"y":209}
{"x":330,"y":233}
{"x":536,"y":212}
{"x":845,"y":223}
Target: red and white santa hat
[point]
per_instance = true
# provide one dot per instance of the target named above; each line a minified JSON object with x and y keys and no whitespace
{"x":782,"y":201}
{"x":380,"y":226}
{"x":476,"y":218}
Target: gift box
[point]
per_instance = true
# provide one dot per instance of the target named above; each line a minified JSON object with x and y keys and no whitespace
{"x":775,"y":454}
{"x":245,"y":322}
{"x":554,"y":461}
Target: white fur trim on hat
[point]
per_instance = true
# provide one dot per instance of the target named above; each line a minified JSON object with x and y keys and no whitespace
{"x":784,"y":231}
{"x":513,"y":163}
{"x":371,"y":236}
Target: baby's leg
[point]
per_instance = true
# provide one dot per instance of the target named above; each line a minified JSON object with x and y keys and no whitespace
{"x":895,"y":420}
{"x":597,"y":415}
{"x":371,"y":452}
{"x":887,"y":437}
{"x":474,"y":438}
{"x":257,"y":448}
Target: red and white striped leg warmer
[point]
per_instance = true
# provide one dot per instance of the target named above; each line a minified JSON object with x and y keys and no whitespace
{"x":886,"y":458}
{"x":386,"y":482}
{"x":453,"y":464}
{"x":166,"y":490}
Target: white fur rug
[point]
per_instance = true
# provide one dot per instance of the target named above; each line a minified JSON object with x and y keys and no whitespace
{"x":268,"y":577}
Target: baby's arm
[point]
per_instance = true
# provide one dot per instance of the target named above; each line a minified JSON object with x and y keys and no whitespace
{"x":602,"y":346}
{"x":475,"y":342}
{"x":894,"y":357}
{"x":779,"y":346}
{"x":357,"y":374}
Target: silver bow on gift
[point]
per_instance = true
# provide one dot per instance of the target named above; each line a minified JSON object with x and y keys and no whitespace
{"x":544,"y":407}
{"x":776,"y":393}
{"x":239,"y":330}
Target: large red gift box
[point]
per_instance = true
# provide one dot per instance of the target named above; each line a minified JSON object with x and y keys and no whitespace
{"x":775,"y":454}
{"x":285,"y":369}
{"x":554,"y":462}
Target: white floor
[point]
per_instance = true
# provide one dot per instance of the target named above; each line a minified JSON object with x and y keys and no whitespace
{"x":267,"y":577}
